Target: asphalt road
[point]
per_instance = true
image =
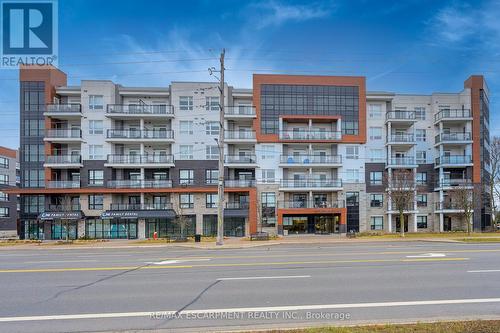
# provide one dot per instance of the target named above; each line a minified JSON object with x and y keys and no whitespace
{"x":56,"y":290}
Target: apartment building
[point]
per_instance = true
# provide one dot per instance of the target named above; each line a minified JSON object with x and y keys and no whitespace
{"x":8,"y":201}
{"x":303,"y":154}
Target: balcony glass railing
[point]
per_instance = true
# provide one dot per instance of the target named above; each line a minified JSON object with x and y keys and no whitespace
{"x":454,"y":136}
{"x":147,"y":183}
{"x":458,"y":182}
{"x":453,"y":114}
{"x":246,"y":159}
{"x":64,"y":208}
{"x":239,"y":182}
{"x":74,"y":133}
{"x":237,"y":205}
{"x":76,"y":108}
{"x":400,"y":115}
{"x":311,"y":159}
{"x":401,"y":161}
{"x":63,"y":184}
{"x":311,"y":183}
{"x":241,"y":110}
{"x":63,"y":159}
{"x":311,"y":204}
{"x":239,"y":135}
{"x":141,"y":159}
{"x":139,"y":134}
{"x":135,"y":109}
{"x":454,"y":159}
{"x":310,"y":135}
{"x":447,"y":205}
{"x":146,"y":206}
{"x":406,"y":138}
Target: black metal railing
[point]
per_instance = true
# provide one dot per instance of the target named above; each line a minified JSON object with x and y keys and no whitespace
{"x":453,"y":114}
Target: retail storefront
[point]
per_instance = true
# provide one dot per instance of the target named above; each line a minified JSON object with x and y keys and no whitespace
{"x":233,"y":226}
{"x":96,"y":228}
{"x":62,"y":225}
{"x":165,"y":227}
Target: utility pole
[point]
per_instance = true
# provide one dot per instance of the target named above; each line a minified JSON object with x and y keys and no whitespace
{"x":220,"y":189}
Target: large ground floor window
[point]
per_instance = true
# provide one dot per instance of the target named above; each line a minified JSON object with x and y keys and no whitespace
{"x":33,"y":229}
{"x":165,"y":227}
{"x":61,"y":229}
{"x":233,"y":226}
{"x":110,"y":229}
{"x":311,"y":224}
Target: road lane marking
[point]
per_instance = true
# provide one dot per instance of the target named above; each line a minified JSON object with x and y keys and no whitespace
{"x":126,"y":268}
{"x":174,"y":261}
{"x":485,"y":271}
{"x":428,"y":255}
{"x":264,"y":277}
{"x":151,"y":314}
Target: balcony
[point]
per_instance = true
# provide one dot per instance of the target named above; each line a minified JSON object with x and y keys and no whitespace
{"x":64,"y":208}
{"x":453,"y":138}
{"x":239,"y":136}
{"x":63,"y":135}
{"x":63,"y":111}
{"x":453,"y":115}
{"x":401,"y":139}
{"x":311,"y":184}
{"x":138,"y":161}
{"x":453,"y":161}
{"x":139,"y":111}
{"x":239,"y":183}
{"x":310,"y":135}
{"x":448,"y":184}
{"x":140,"y":183}
{"x":120,"y":135}
{"x":63,"y":184}
{"x":448,"y":206}
{"x":158,"y":206}
{"x":237,"y":205}
{"x":401,"y":117}
{"x":239,"y":112}
{"x":289,"y":161}
{"x":63,"y":161}
{"x":401,"y":162}
{"x":240,"y":161}
{"x":311,"y":204}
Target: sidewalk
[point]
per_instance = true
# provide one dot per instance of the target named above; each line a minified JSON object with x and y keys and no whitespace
{"x":229,"y":243}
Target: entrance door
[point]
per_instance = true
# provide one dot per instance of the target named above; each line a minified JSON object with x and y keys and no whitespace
{"x":398,"y":224}
{"x":324,"y":224}
{"x":447,"y":223}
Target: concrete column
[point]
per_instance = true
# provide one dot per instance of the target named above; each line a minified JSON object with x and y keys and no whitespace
{"x":199,"y":224}
{"x":389,"y":222}
{"x":141,"y":229}
{"x":81,"y":229}
{"x":415,"y":228}
{"x":441,"y":222}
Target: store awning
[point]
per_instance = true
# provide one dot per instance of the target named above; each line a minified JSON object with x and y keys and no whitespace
{"x":70,"y":215}
{"x":138,"y":214}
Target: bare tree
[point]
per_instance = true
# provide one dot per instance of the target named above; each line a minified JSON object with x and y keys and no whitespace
{"x":400,"y":186}
{"x":182,"y":222}
{"x":463,"y":197}
{"x":494,"y":181}
{"x":66,"y":206}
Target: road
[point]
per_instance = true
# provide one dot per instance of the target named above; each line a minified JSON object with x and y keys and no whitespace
{"x":181,"y":289}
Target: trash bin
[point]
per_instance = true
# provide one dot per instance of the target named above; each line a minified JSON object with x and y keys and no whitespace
{"x":197,"y":238}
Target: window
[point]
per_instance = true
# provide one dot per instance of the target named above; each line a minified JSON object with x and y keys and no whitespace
{"x":212,"y":103}
{"x":96,"y":102}
{"x":376,"y":200}
{"x":211,"y":200}
{"x":96,"y":177}
{"x":96,"y":201}
{"x":375,"y":133}
{"x":186,"y":177}
{"x":4,"y":196}
{"x":352,"y":152}
{"x":376,"y":177}
{"x":376,"y":155}
{"x":421,"y":200}
{"x":186,"y":200}
{"x":33,"y":178}
{"x":212,"y":152}
{"x":33,"y":127}
{"x":375,"y":111}
{"x":212,"y":128}
{"x":377,"y":223}
{"x":268,"y":175}
{"x":212,"y":177}
{"x":4,"y":162}
{"x":420,"y":134}
{"x":32,"y":204}
{"x":420,"y":113}
{"x":96,"y":152}
{"x":186,"y":103}
{"x":4,"y":212}
{"x":186,"y":127}
{"x":34,"y":153}
{"x":95,"y":127}
{"x":421,"y":178}
{"x":422,"y":222}
{"x":4,"y":179}
{"x":268,"y":201}
{"x":352,"y":175}
{"x":421,"y":156}
{"x":267,"y":152}
{"x":186,"y":152}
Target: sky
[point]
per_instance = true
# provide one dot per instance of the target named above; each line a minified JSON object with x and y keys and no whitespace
{"x":412,"y":46}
